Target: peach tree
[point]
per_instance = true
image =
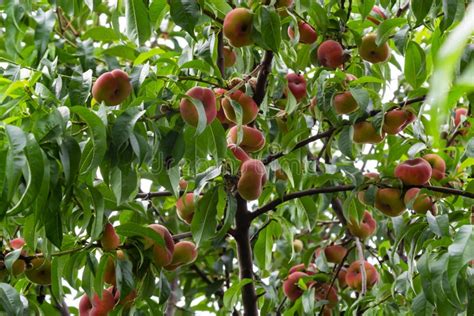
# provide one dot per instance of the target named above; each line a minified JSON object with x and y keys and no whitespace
{"x":216,"y":157}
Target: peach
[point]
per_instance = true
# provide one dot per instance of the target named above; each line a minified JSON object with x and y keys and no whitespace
{"x":252,"y":179}
{"x":414,"y":171}
{"x":109,"y":272}
{"x":438,"y":166}
{"x":309,"y":270}
{"x":376,"y":15}
{"x":298,"y":245}
{"x":238,"y":152}
{"x":112,"y":87}
{"x":370,"y":176}
{"x":331,"y":54}
{"x":248,"y":105}
{"x":40,"y":271}
{"x":229,"y":57}
{"x":185,"y":252}
{"x":365,"y":228}
{"x":18,"y":267}
{"x":104,"y":305}
{"x":307,"y":33}
{"x":279,"y":3}
{"x":17,"y":243}
{"x":371,"y":52}
{"x":344,"y":103}
{"x":110,"y":240}
{"x":421,"y":203}
{"x":389,"y":201}
{"x":188,"y":110}
{"x":354,"y":275}
{"x":297,"y":85}
{"x":185,"y":207}
{"x":252,"y":139}
{"x":183,"y":184}
{"x":459,"y":113}
{"x":281,"y":175}
{"x":326,"y":292}
{"x":365,"y":133}
{"x":396,"y":120}
{"x":237,"y":27}
{"x":335,"y":253}
{"x":341,"y":277}
{"x":290,"y":285}
{"x":161,"y":255}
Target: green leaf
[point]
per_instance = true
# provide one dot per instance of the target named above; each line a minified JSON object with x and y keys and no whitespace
{"x":232,"y":294}
{"x":99,"y":209}
{"x":387,"y":27}
{"x":138,"y":26}
{"x":344,"y":142}
{"x":264,"y":244}
{"x":10,"y":300}
{"x":185,"y":13}
{"x":101,"y":34}
{"x":460,"y":252}
{"x":98,"y":139}
{"x":231,"y":210}
{"x":204,"y":223}
{"x":365,"y":6}
{"x":11,"y":257}
{"x":132,"y":229}
{"x":415,"y":65}
{"x":70,"y":154}
{"x":124,"y":125}
{"x":44,"y":26}
{"x":361,"y":96}
{"x":80,"y":87}
{"x":420,"y":8}
{"x":270,"y":27}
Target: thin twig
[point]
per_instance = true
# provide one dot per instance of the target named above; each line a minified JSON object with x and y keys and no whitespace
{"x":360,"y":253}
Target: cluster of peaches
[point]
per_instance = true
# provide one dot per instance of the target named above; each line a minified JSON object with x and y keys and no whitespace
{"x":301,"y":278}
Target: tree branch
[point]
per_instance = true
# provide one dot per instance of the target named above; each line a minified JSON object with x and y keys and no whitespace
{"x":300,"y":144}
{"x":220,"y":53}
{"x":262,"y":77}
{"x":244,"y":253}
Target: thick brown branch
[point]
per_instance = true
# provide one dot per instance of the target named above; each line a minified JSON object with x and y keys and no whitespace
{"x":262,"y":77}
{"x":244,"y":252}
{"x":302,"y":143}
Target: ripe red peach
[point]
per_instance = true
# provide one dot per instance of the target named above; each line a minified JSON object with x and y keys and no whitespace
{"x":186,"y":207}
{"x":459,"y":113}
{"x":365,"y":133}
{"x":365,"y":228}
{"x":188,"y":110}
{"x":438,"y":166}
{"x":112,"y":87}
{"x":421,"y":203}
{"x":396,"y":120}
{"x":252,"y":139}
{"x":237,"y":27}
{"x":110,"y":240}
{"x":344,"y":103}
{"x":390,"y":201}
{"x":161,"y":255}
{"x":17,"y":243}
{"x":290,"y":286}
{"x":331,"y":54}
{"x":354,"y":275}
{"x":185,"y":252}
{"x":335,"y":253}
{"x":248,"y":105}
{"x":414,"y":171}
{"x":308,"y":34}
{"x":297,"y":85}
{"x":326,"y":292}
{"x":341,"y":277}
{"x":252,"y":179}
{"x":309,"y":270}
{"x":229,"y":57}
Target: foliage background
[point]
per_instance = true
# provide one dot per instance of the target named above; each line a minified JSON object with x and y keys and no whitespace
{"x":68,"y":164}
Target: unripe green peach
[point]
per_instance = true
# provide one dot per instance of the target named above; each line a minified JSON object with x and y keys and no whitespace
{"x":237,"y":27}
{"x":365,"y":228}
{"x":229,"y":57}
{"x":354,"y":275}
{"x":18,"y":267}
{"x":298,"y":245}
{"x":248,"y":105}
{"x":40,"y":271}
{"x":186,"y":207}
{"x":365,"y":133}
{"x":414,"y":171}
{"x":331,"y":54}
{"x":421,"y":203}
{"x":390,"y":201}
{"x":344,"y":103}
{"x":110,"y":240}
{"x":308,"y":34}
{"x":252,"y":179}
{"x":438,"y":166}
{"x":373,"y":53}
{"x":112,"y":87}
{"x":188,"y":110}
{"x":252,"y":139}
{"x":185,"y":252}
